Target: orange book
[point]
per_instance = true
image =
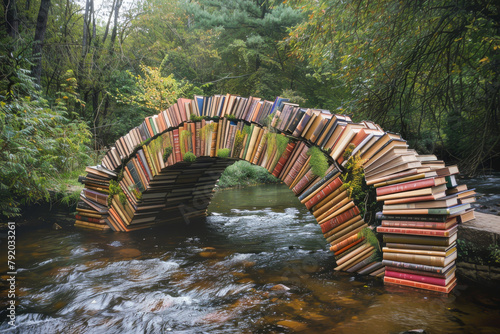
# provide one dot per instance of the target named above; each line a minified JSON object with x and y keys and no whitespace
{"x":420,"y":285}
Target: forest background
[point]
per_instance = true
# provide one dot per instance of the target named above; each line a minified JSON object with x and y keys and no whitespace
{"x":76,"y":75}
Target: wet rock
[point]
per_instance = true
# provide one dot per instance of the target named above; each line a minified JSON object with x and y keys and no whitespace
{"x":56,"y":226}
{"x":207,"y":254}
{"x":280,"y":287}
{"x":245,"y":280}
{"x":129,"y":252}
{"x":293,"y":325}
{"x":414,"y":331}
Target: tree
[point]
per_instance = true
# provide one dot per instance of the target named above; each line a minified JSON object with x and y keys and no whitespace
{"x":41,"y":28}
{"x":11,"y":18}
{"x":426,"y":69}
{"x":251,"y":62}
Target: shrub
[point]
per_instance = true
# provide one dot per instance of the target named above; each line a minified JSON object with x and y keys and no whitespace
{"x":189,"y":157}
{"x":223,"y":153}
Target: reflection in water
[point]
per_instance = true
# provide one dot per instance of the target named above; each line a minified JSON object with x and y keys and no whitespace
{"x":258,"y":265}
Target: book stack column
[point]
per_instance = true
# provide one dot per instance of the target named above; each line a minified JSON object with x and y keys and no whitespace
{"x":419,"y":224}
{"x":92,"y":208}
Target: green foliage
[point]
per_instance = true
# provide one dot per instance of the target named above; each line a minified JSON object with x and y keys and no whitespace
{"x":208,"y":128}
{"x":372,"y":239}
{"x":425,"y":69}
{"x":230,"y":117}
{"x":38,"y":141}
{"x":242,"y":173}
{"x":152,"y":90}
{"x":183,"y":137}
{"x":276,"y":141}
{"x":167,"y":153}
{"x":318,"y":161}
{"x":293,"y":96}
{"x":136,"y":192}
{"x":364,"y":196}
{"x":245,"y":34}
{"x":196,"y":118}
{"x":238,"y":143}
{"x":478,"y":254}
{"x":189,"y":157}
{"x":223,"y":153}
{"x":348,"y":151}
{"x":114,"y":189}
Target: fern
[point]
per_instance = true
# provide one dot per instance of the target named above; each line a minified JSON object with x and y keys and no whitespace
{"x":363,"y":195}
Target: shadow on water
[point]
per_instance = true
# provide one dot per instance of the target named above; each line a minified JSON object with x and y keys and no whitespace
{"x":257,"y":264}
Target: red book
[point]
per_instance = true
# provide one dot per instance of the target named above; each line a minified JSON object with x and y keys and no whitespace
{"x":418,"y":278}
{"x":339,"y":219}
{"x":141,"y":163}
{"x":420,"y":224}
{"x":331,"y":187}
{"x":193,"y":136}
{"x":418,"y":231}
{"x":177,"y":146}
{"x":88,"y":219}
{"x":297,"y":165}
{"x":306,"y":179}
{"x":420,"y":285}
{"x":198,"y":139}
{"x":345,"y":242}
{"x":411,"y":185}
{"x":282,"y":161}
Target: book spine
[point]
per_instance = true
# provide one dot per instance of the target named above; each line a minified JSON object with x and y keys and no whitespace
{"x":414,"y":224}
{"x":420,"y":285}
{"x":304,"y":181}
{"x":283,"y":159}
{"x":296,"y":167}
{"x":437,"y":261}
{"x":338,"y":220}
{"x":318,"y":184}
{"x":177,"y":146}
{"x":332,"y":186}
{"x":419,"y":272}
{"x":415,"y":231}
{"x":413,"y":266}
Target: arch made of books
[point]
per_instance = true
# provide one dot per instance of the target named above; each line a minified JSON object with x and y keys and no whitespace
{"x":166,"y":169}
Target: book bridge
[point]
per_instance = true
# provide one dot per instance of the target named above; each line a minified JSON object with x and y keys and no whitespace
{"x":165,"y":170}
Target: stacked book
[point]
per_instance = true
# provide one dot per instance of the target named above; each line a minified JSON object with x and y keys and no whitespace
{"x":422,"y":207}
{"x":92,"y":208}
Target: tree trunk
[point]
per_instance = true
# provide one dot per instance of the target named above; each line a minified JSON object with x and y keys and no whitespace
{"x":115,"y":25}
{"x":11,"y":18}
{"x":41,"y":28}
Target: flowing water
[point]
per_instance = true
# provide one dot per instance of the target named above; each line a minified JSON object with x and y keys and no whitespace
{"x":258,"y":265}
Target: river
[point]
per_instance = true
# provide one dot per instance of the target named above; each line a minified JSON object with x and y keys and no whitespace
{"x":258,"y":265}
